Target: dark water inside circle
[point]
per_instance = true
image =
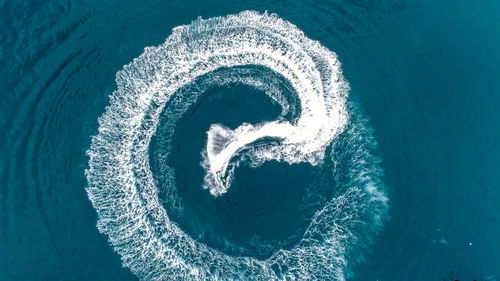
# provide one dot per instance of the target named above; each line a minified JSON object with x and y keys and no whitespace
{"x":261,"y":212}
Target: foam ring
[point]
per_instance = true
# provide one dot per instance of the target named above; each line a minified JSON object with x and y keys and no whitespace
{"x":121,"y":185}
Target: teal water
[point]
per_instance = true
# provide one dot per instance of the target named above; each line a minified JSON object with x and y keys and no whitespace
{"x":423,"y":123}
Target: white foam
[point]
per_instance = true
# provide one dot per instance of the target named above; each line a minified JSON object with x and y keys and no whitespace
{"x":121,"y":186}
{"x":312,"y":70}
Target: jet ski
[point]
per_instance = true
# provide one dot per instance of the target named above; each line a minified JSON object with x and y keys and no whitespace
{"x":221,"y":180}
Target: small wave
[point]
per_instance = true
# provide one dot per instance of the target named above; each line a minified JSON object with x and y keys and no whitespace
{"x":121,"y":185}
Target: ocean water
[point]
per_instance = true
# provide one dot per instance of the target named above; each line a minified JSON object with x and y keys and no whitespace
{"x":358,"y":140}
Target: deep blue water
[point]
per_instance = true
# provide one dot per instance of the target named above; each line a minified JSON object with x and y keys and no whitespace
{"x":425,"y":75}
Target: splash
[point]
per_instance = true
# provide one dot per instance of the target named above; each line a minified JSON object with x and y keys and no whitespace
{"x":121,"y":185}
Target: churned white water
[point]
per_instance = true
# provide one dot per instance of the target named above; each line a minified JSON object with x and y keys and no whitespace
{"x":121,"y":185}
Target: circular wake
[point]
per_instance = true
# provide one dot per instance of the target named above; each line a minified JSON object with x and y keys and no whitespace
{"x":314,"y":127}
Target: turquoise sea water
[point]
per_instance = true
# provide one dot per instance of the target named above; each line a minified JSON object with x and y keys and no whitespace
{"x":423,"y":126}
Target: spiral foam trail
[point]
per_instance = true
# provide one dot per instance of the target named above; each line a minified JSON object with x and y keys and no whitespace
{"x":121,"y":185}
